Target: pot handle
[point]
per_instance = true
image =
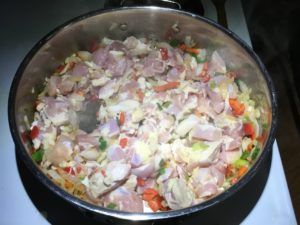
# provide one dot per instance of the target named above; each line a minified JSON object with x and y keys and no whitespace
{"x":194,"y":6}
{"x":164,"y":3}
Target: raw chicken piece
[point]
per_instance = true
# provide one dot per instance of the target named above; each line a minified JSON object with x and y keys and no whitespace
{"x":176,"y":193}
{"x":124,"y":200}
{"x":61,"y":151}
{"x":108,"y":178}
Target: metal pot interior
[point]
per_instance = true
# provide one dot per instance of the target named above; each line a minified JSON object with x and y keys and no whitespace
{"x":153,"y":22}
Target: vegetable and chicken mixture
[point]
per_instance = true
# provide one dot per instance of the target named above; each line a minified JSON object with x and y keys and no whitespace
{"x":173,"y":126}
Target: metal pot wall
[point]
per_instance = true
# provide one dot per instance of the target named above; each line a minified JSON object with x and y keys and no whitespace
{"x":155,"y":22}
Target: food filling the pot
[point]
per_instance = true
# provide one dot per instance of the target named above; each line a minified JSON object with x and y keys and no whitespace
{"x":143,"y":126}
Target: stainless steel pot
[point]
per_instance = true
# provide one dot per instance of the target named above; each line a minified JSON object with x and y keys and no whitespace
{"x":155,"y":22}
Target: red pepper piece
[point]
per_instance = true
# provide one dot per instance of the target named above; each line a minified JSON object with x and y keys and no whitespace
{"x":249,"y":130}
{"x":34,"y":132}
{"x":69,"y":170}
{"x":123,"y":142}
{"x":164,"y":53}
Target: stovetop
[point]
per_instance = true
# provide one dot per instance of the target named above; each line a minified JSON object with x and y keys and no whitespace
{"x":23,"y":24}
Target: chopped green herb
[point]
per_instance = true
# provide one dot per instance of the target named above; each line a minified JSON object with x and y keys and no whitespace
{"x":245,"y":155}
{"x":174,"y":43}
{"x":81,"y":178}
{"x":166,"y":104}
{"x":161,"y":171}
{"x":237,"y":81}
{"x":255,"y":153}
{"x":197,"y":58}
{"x":118,"y":120}
{"x":199,"y":146}
{"x":241,"y":162}
{"x":111,"y":205}
{"x":246,"y":119}
{"x":186,"y":177}
{"x":159,"y":106}
{"x":265,"y":126}
{"x":185,"y":136}
{"x":212,"y":85}
{"x":102,"y":144}
{"x":242,"y":86}
{"x":38,"y":155}
{"x":162,"y":163}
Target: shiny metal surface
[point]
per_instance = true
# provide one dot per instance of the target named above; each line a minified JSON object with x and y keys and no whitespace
{"x":155,"y":23}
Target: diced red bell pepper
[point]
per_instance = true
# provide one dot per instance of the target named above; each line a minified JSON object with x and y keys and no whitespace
{"x":164,"y":53}
{"x":206,"y":78}
{"x":123,"y":142}
{"x":94,"y":46}
{"x":69,"y":170}
{"x":60,"y":68}
{"x":34,"y":132}
{"x":78,"y":169}
{"x":140,"y":95}
{"x":103,"y":173}
{"x":249,"y":130}
{"x":234,"y":180}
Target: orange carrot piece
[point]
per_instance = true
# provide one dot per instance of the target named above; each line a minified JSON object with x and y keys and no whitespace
{"x":140,"y":95}
{"x":197,"y":113}
{"x":167,"y":86}
{"x":68,"y":184}
{"x":262,"y":137}
{"x":122,"y":118}
{"x":140,"y":182}
{"x":250,"y":147}
{"x":204,"y":70}
{"x":237,"y":107}
{"x":192,"y":50}
{"x":155,"y":204}
{"x":229,"y":170}
{"x":149,"y":194}
{"x":242,"y":170}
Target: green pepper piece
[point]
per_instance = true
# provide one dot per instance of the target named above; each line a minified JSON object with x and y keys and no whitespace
{"x":159,"y":106}
{"x":166,"y":104}
{"x":245,"y":155}
{"x":255,"y":153}
{"x":102,"y":144}
{"x":241,"y":162}
{"x":199,"y":146}
{"x":174,"y":43}
{"x":111,"y":205}
{"x":38,"y":155}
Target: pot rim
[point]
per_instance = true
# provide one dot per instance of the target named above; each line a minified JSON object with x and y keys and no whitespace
{"x":128,"y":215}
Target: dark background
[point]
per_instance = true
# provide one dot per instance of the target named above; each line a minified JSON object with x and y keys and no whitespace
{"x":274,"y":27}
